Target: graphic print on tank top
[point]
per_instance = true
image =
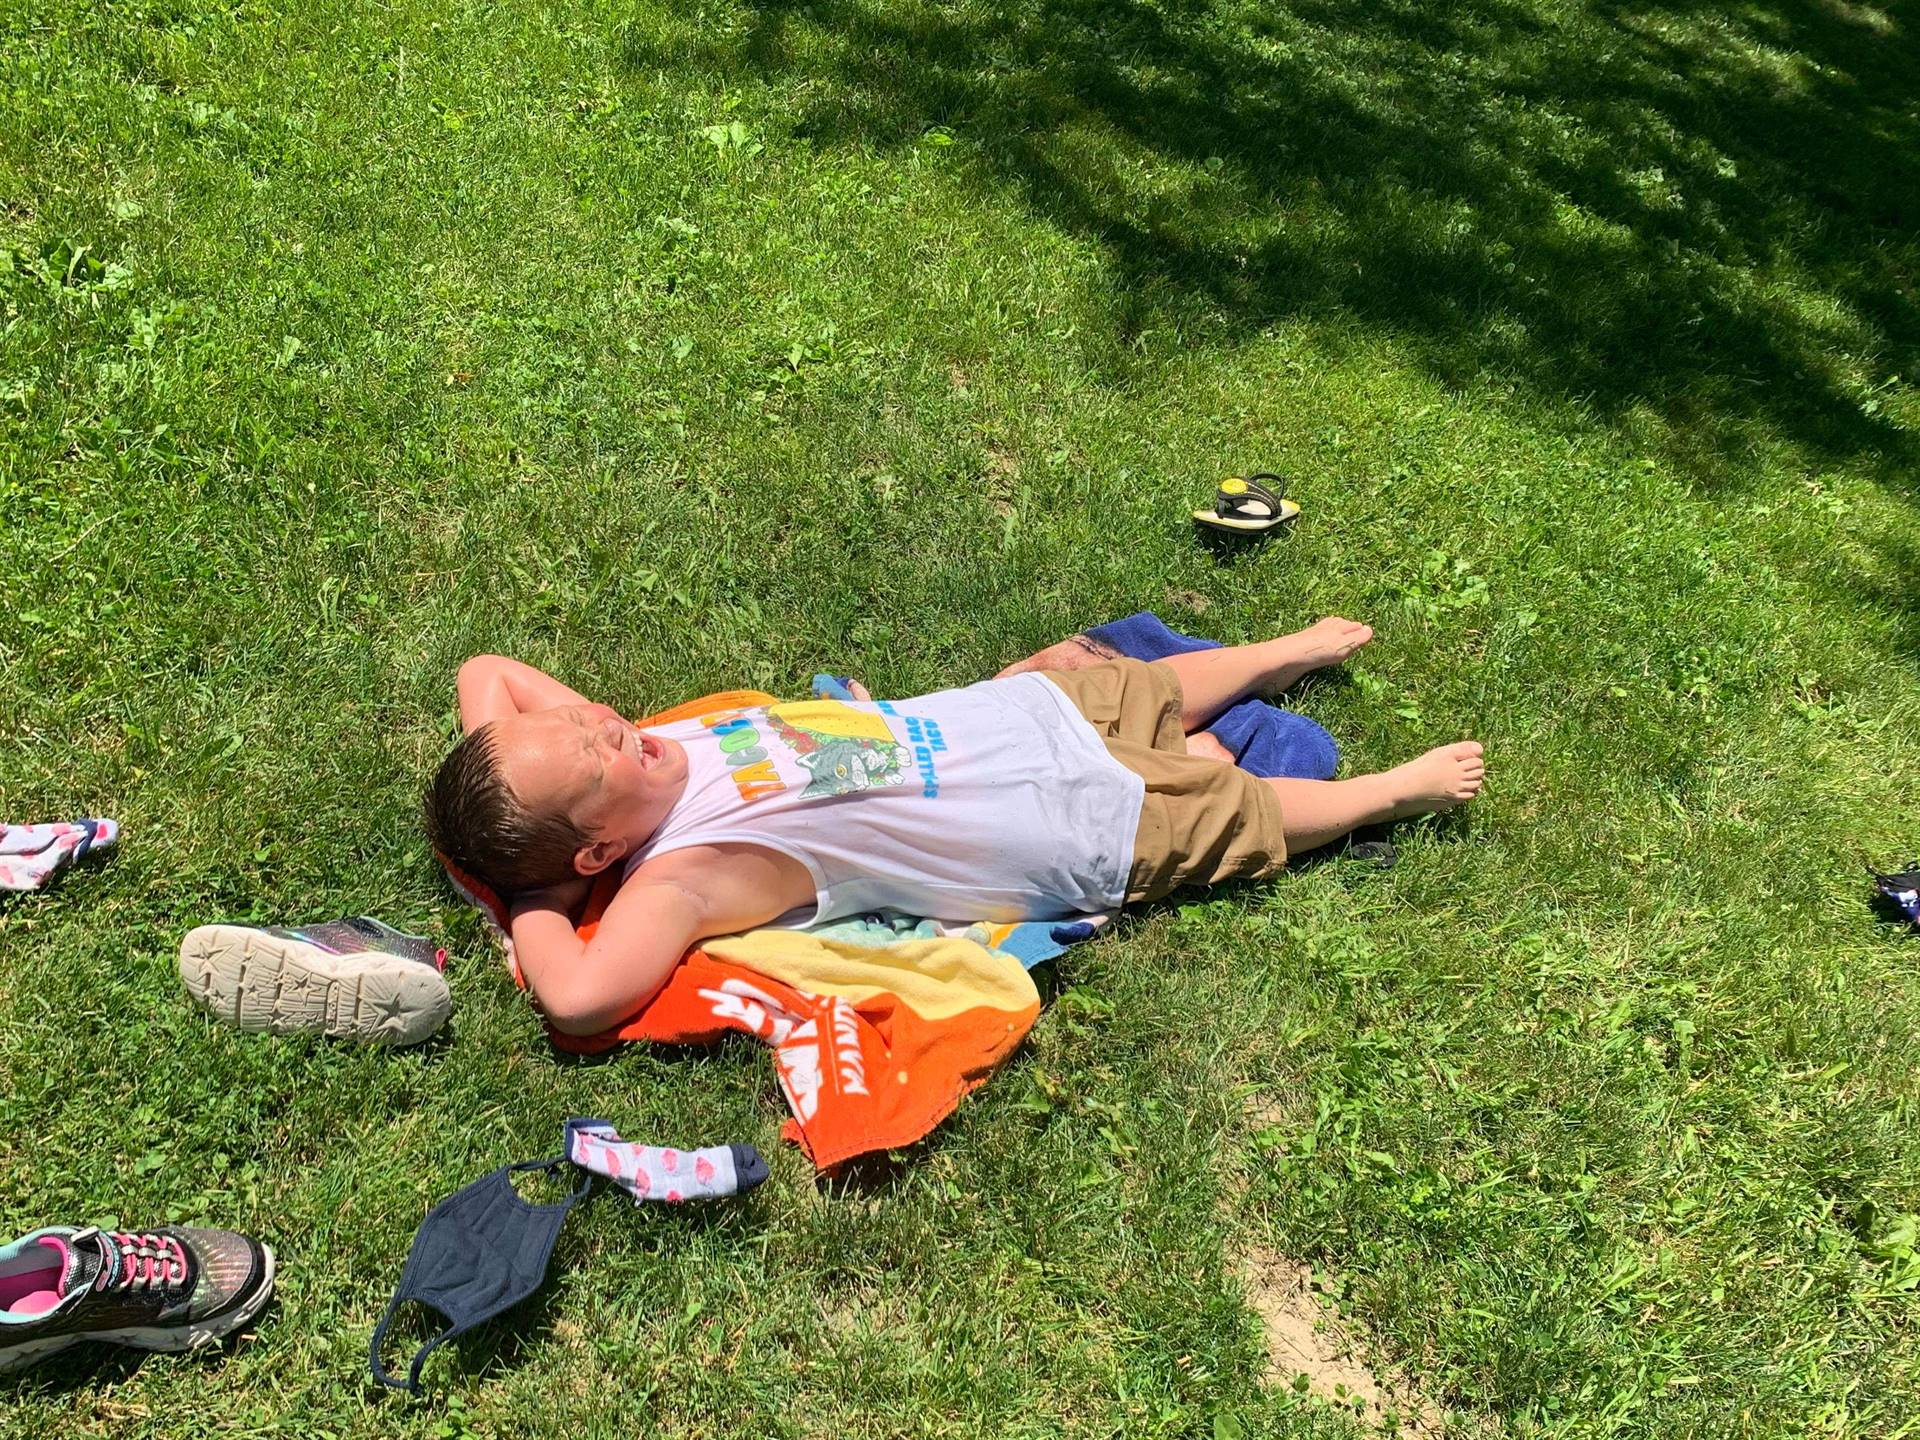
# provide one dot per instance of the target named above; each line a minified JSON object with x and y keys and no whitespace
{"x":989,"y":802}
{"x":841,"y":749}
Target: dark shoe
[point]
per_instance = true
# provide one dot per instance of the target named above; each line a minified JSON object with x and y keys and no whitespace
{"x":165,"y":1289}
{"x":352,"y":979}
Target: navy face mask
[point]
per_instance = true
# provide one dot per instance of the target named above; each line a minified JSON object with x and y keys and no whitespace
{"x":480,"y":1251}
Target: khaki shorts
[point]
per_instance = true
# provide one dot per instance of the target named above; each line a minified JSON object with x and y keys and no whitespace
{"x":1201,"y":821}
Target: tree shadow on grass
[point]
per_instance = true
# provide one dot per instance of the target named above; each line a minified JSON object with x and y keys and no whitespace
{"x":1706,"y":216}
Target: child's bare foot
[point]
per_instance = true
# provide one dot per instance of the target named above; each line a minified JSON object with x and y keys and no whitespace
{"x":1446,"y":776}
{"x":1323,"y":643}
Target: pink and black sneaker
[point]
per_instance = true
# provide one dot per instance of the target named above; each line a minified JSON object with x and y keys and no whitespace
{"x":353,"y":979}
{"x":169,"y":1288}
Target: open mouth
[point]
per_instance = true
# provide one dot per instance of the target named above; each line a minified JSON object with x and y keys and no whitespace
{"x":646,"y":748}
{"x":629,"y":740}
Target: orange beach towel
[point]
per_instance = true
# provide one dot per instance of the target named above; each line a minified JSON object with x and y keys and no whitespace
{"x":873,"y":1046}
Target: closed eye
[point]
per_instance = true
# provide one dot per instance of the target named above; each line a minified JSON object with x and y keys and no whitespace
{"x":593,"y":748}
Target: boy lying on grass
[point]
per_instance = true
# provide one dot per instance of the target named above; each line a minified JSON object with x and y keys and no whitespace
{"x":1031,"y":796}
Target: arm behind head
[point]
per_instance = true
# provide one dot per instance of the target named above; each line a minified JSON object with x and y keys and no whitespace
{"x":492,"y":687}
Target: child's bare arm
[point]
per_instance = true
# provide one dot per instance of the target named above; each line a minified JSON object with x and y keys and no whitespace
{"x":661,"y":911}
{"x":492,"y":687}
{"x":588,"y":987}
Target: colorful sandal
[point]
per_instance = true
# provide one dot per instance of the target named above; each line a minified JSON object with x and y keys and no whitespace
{"x":1248,"y":507}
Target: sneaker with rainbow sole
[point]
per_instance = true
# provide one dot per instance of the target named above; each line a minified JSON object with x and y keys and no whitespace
{"x":169,"y":1288}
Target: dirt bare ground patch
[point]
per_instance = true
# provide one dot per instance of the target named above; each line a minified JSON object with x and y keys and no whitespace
{"x":1305,"y":1337}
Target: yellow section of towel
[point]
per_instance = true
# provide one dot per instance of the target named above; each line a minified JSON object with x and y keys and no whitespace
{"x":938,"y":977}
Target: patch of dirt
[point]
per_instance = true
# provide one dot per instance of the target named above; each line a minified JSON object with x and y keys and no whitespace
{"x":1002,"y":469}
{"x":1263,"y":1120}
{"x":1305,"y":1337}
{"x":861,"y":1313}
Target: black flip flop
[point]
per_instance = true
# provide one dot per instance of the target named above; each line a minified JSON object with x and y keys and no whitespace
{"x":1247,"y":506}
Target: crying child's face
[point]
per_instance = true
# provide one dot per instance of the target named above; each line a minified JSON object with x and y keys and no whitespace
{"x":614,"y":779}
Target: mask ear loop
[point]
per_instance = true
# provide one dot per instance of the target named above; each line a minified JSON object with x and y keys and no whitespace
{"x":586,"y":1178}
{"x":412,"y":1383}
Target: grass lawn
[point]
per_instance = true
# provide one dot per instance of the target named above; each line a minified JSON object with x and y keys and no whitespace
{"x":681,"y":346}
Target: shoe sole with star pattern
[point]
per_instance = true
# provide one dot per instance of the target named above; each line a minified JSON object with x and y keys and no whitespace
{"x":264,"y":982}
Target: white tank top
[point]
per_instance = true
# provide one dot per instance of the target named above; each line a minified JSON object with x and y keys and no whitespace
{"x":995,"y":802}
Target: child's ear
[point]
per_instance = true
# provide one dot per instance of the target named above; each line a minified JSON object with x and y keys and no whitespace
{"x":592,"y":859}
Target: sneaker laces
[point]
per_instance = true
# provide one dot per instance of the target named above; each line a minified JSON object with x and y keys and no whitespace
{"x":146,"y":1260}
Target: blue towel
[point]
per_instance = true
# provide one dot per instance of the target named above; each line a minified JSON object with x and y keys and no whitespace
{"x":1264,"y":739}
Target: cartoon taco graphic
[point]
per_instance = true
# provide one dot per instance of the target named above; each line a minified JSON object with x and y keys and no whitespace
{"x":841,"y":749}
